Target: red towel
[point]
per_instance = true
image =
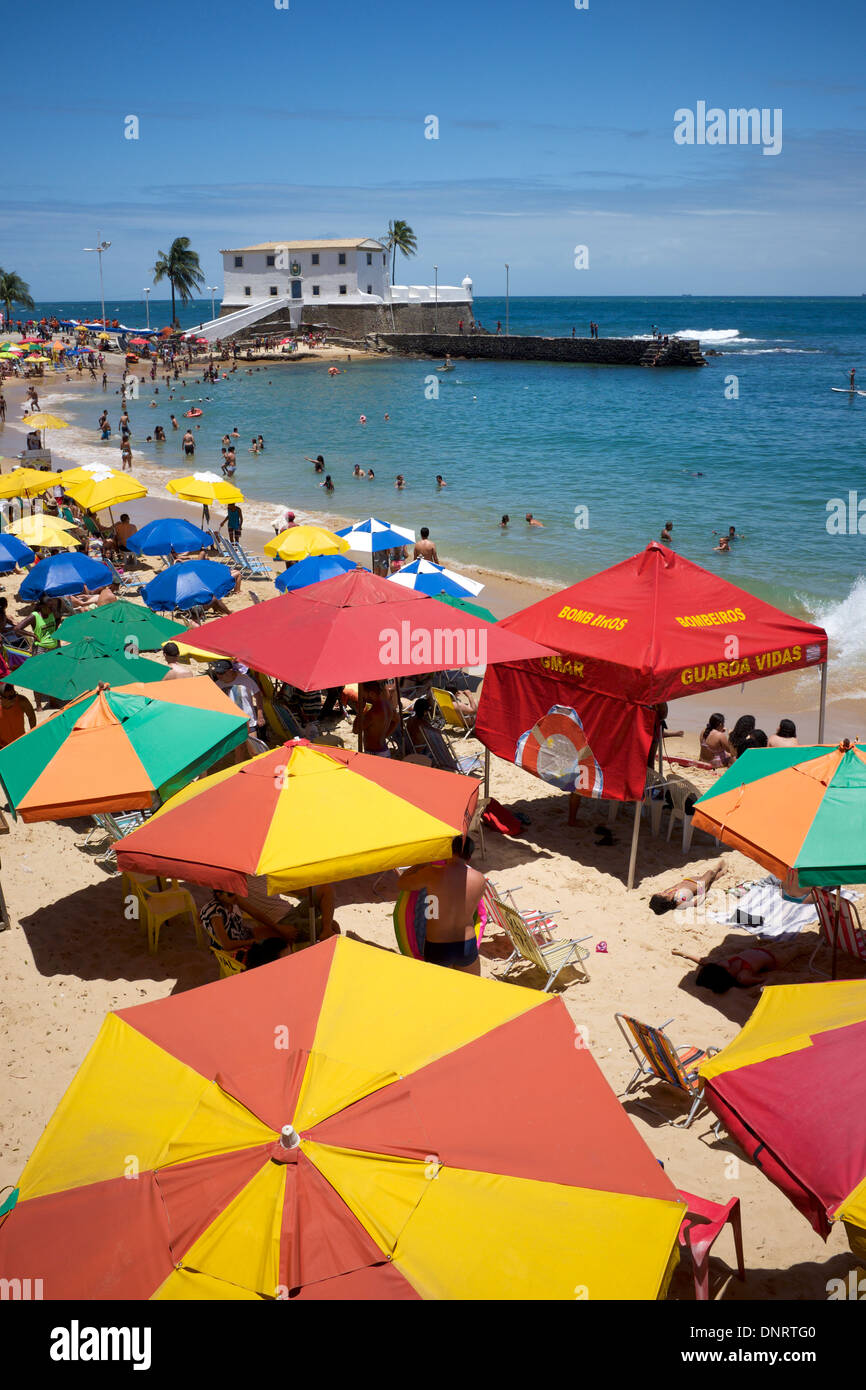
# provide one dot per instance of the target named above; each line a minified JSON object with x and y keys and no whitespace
{"x":500,"y":818}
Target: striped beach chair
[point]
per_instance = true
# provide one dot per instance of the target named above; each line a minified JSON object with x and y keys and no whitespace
{"x":550,"y":956}
{"x":659,"y":1060}
{"x":851,"y":938}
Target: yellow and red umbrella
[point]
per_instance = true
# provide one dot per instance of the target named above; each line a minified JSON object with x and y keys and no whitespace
{"x":344,"y":1124}
{"x":791,"y":1090}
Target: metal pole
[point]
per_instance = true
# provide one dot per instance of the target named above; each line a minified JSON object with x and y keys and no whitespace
{"x":507,"y":290}
{"x":101,"y":288}
{"x":634,"y":838}
{"x":823,"y":703}
{"x":436,"y":299}
{"x":213,"y":290}
{"x":836,"y":931}
{"x":146,"y":293}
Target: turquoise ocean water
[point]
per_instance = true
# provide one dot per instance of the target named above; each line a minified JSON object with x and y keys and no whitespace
{"x":756,"y":439}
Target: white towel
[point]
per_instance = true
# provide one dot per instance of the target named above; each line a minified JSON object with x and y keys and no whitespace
{"x":773,"y":915}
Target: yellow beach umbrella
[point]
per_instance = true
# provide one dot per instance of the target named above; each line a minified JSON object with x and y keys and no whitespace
{"x":205,"y":488}
{"x":41,"y":420}
{"x":97,"y":487}
{"x":300,"y":541}
{"x":26,"y":482}
{"x":50,"y":532}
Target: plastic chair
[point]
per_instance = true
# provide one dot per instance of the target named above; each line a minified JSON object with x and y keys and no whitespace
{"x":851,"y":938}
{"x":679,"y":791}
{"x":161,"y":905}
{"x":701,"y":1226}
{"x":659,"y":1060}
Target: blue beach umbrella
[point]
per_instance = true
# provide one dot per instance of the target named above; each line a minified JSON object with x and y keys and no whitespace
{"x":187,"y":585}
{"x":70,"y":573}
{"x":373,"y":535}
{"x":427,"y":578}
{"x":312,"y":571}
{"x":13,"y":552}
{"x":169,"y":535}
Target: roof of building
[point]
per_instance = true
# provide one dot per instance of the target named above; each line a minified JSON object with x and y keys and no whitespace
{"x":339,"y":244}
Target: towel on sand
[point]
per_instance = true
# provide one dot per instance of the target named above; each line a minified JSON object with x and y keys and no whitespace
{"x":766,"y":911}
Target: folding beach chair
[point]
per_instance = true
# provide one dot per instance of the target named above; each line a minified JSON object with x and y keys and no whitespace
{"x":253,"y":567}
{"x":551,"y":958}
{"x":851,"y":938}
{"x":443,"y":757}
{"x":452,"y":717}
{"x":126,"y":584}
{"x":222,"y":546}
{"x":112,"y":828}
{"x":701,"y":1226}
{"x":659,"y":1060}
{"x":540,"y":924}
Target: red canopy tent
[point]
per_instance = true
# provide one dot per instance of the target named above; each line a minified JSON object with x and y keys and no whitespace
{"x":358,"y":627}
{"x":655,"y":627}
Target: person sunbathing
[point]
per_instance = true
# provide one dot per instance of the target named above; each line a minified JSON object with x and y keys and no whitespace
{"x":687,"y":891}
{"x":741,"y":971}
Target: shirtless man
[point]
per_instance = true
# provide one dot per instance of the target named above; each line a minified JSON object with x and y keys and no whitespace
{"x":188,"y":443}
{"x":531,"y":520}
{"x":453,"y":890}
{"x":424,"y":548}
{"x":378,"y":720}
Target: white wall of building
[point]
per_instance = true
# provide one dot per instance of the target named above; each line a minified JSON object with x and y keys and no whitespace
{"x":362,"y":278}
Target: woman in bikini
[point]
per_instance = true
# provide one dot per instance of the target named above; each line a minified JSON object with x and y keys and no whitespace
{"x":715,"y":745}
{"x":741,"y":971}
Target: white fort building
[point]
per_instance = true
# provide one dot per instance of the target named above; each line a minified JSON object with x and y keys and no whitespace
{"x":343,"y":284}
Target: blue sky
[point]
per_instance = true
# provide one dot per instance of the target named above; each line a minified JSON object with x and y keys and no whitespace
{"x":555,"y":130}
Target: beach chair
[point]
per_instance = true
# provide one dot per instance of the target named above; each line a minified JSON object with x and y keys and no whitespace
{"x":541,"y":924}
{"x":452,"y":717}
{"x":221,"y":545}
{"x":851,"y":938}
{"x":701,"y":1226}
{"x":253,"y":567}
{"x":112,"y":828}
{"x":679,"y":791}
{"x":126,"y":584}
{"x":551,"y":958}
{"x":443,"y":757}
{"x":228,"y":964}
{"x":160,"y":905}
{"x":659,"y":1060}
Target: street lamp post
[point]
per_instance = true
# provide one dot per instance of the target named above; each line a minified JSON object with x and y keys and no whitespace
{"x":213,"y":289}
{"x":507,"y":288}
{"x":99,"y":248}
{"x":436,"y":299}
{"x":146,"y":293}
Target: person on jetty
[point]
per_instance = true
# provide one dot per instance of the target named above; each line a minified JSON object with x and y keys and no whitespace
{"x":454,"y":891}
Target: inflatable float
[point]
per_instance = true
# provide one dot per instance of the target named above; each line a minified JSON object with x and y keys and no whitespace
{"x":410,"y":922}
{"x":556,"y":750}
{"x":192,"y":414}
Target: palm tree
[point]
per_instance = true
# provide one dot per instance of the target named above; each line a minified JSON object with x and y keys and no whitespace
{"x":182,"y":270}
{"x":13,"y":290}
{"x":401,"y":238}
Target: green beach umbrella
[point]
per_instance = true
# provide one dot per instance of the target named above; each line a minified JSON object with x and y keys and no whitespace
{"x":794,"y":810}
{"x":466,"y":607}
{"x":119,"y":750}
{"x":121,"y":625}
{"x":69,"y":671}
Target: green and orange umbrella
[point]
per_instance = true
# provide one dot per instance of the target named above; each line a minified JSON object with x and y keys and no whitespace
{"x":124,"y":749}
{"x":343,"y":1124}
{"x":794,"y":810}
{"x":791,"y":1090}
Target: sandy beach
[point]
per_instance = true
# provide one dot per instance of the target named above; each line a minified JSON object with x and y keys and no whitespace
{"x":71,"y":956}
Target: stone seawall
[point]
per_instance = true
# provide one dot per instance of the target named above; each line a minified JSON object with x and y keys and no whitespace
{"x":360,"y":320}
{"x":615,"y":352}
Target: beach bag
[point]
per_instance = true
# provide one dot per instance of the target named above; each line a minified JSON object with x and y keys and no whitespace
{"x":498,"y":817}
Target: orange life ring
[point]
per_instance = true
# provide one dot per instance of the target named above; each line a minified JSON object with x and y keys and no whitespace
{"x":191,"y":414}
{"x":556,"y":750}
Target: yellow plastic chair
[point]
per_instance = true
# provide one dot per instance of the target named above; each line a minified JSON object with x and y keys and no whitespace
{"x":228,"y":964}
{"x":161,"y":905}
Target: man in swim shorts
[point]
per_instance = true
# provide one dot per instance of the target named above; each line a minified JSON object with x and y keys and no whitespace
{"x":453,"y":889}
{"x":189,"y":443}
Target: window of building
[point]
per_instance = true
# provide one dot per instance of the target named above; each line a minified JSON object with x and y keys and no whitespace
{"x":342,"y":289}
{"x":369,"y":257}
{"x":315,"y":289}
{"x":247,"y":289}
{"x":274,"y":289}
{"x":239,"y":261}
{"x":315,"y":258}
{"x":270,"y":261}
{"x":384,"y":260}
{"x":341,"y":259}
{"x":369,"y":289}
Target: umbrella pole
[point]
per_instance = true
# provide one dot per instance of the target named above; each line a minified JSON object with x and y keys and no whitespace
{"x":312,"y":917}
{"x":360,"y":717}
{"x":823,"y":702}
{"x":634,"y":838}
{"x":487,"y":774}
{"x":836,"y":932}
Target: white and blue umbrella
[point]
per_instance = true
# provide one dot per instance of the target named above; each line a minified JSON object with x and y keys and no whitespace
{"x":428,"y":578}
{"x":373,"y":535}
